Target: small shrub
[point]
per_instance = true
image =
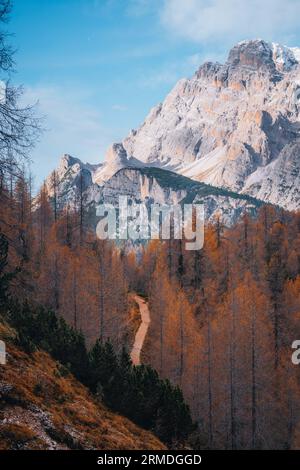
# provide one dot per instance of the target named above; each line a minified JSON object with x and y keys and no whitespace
{"x":38,"y":389}
{"x":15,"y":436}
{"x":61,"y":371}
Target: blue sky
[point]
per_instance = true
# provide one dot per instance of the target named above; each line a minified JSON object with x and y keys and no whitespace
{"x":98,"y":66}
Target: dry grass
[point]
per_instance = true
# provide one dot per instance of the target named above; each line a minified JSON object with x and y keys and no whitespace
{"x":19,"y":436}
{"x":41,"y":409}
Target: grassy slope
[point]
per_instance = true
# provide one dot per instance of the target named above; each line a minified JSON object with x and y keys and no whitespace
{"x":44,"y":407}
{"x":175,"y":181}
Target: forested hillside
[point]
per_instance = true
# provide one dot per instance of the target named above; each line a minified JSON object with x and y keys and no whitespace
{"x":67,"y":294}
{"x":223,"y":319}
{"x":61,"y":265}
{"x":223,"y":323}
{"x":43,"y":407}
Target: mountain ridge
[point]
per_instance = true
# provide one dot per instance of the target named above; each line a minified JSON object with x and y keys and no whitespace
{"x":228,"y":122}
{"x":234,"y":126}
{"x":152,"y":185}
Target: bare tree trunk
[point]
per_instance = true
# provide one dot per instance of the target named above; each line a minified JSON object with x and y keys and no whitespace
{"x":55,"y":184}
{"x":209,"y":379}
{"x":161,"y":337}
{"x":81,"y":209}
{"x":253,"y":373}
{"x":101,"y":293}
{"x":181,"y":364}
{"x":75,"y":298}
{"x":232,"y":376}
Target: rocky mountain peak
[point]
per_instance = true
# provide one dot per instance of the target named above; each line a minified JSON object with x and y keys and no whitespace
{"x":116,"y":158}
{"x":230,"y":123}
{"x":67,"y":165}
{"x":284,"y":57}
{"x":247,"y":59}
{"x":259,"y":54}
{"x":116,"y":154}
{"x":253,"y":54}
{"x":234,"y":126}
{"x":67,"y":161}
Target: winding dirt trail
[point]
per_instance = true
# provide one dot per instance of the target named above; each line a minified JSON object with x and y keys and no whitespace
{"x":141,"y":332}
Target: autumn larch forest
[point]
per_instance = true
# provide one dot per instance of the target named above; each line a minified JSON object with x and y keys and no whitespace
{"x":216,"y":369}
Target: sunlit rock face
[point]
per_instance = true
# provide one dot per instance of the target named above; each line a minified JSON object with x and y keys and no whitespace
{"x":235,"y":125}
{"x":116,"y":158}
{"x":143,"y":184}
{"x":154,"y":185}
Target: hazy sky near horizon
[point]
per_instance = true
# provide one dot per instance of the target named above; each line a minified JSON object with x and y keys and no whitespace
{"x":98,"y":66}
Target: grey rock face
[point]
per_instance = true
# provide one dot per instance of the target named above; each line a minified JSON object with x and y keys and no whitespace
{"x":229,"y":124}
{"x":148,"y":185}
{"x":234,"y":126}
{"x":153,"y":185}
{"x":116,"y":158}
{"x":283,"y":182}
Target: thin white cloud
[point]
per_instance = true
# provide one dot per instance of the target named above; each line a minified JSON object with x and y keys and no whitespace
{"x":165,"y":76}
{"x":139,"y":8}
{"x":213,"y":21}
{"x":72,"y":126}
{"x":119,"y":107}
{"x":171,"y":72}
{"x":195,"y":59}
